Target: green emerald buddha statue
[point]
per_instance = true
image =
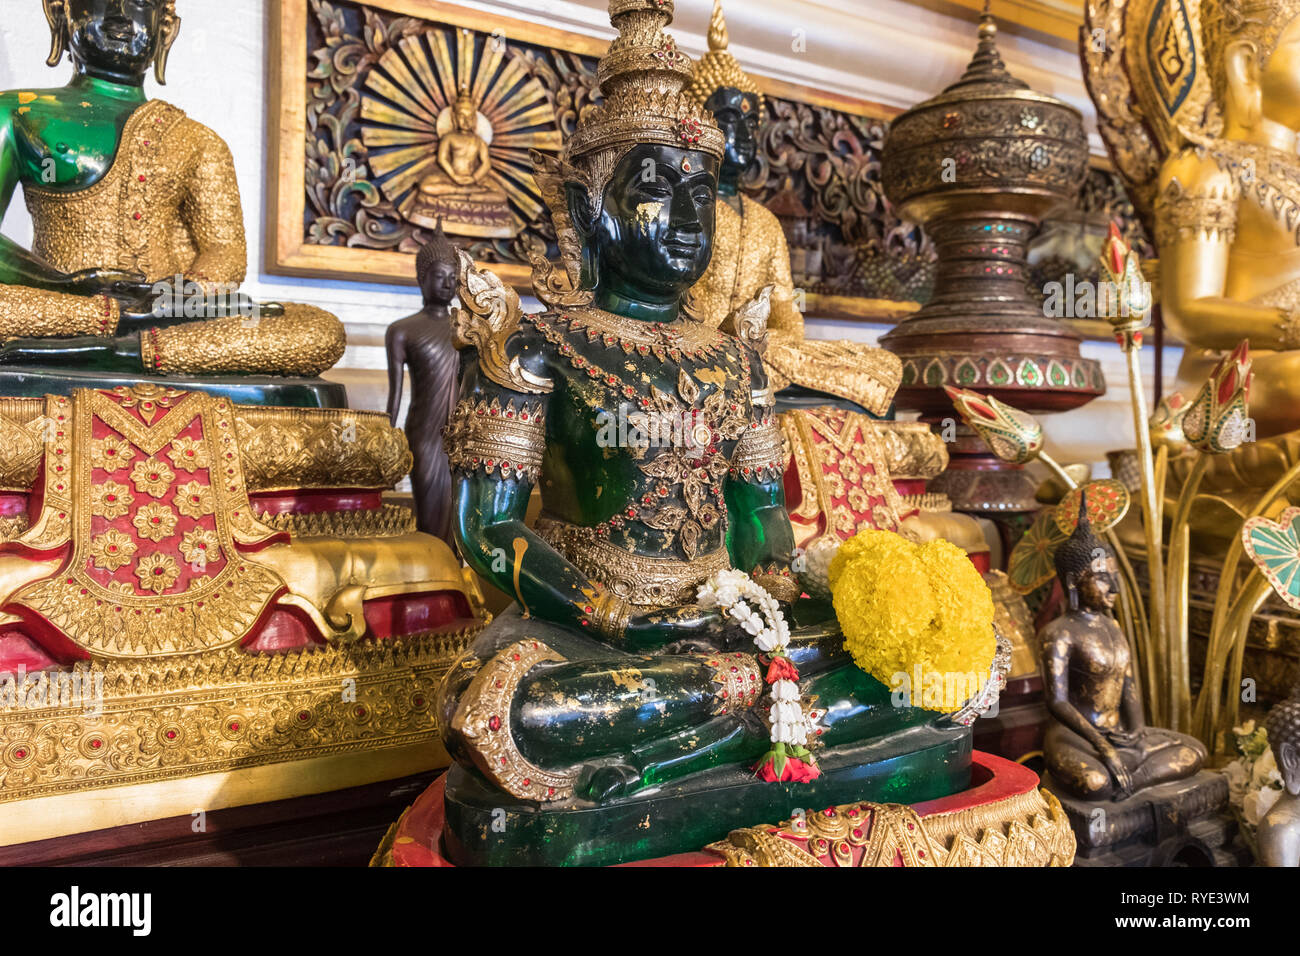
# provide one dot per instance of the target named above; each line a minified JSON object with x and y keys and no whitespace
{"x":138,"y":246}
{"x":612,"y":697}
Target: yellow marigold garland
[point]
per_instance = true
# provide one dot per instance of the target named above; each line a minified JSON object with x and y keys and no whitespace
{"x":904,"y":607}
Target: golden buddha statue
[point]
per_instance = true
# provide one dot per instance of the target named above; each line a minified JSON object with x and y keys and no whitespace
{"x":139,"y":245}
{"x":1226,"y":207}
{"x":462,"y":192}
{"x":750,"y":252}
{"x":1202,"y":120}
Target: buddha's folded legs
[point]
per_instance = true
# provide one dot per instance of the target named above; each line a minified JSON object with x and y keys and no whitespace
{"x":1165,"y":755}
{"x":304,"y":341}
{"x":581,"y":718}
{"x":540,"y":709}
{"x":1075,"y":766}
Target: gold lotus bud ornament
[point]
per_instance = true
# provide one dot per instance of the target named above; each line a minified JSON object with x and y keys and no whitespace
{"x":1219,"y":416}
{"x":1014,"y":436}
{"x":1166,"y":423}
{"x":1129,"y":305}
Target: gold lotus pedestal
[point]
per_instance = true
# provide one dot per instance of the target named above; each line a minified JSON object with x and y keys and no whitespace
{"x":207,"y":605}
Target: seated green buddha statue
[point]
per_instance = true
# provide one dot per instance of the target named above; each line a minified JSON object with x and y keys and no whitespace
{"x":612,"y":713}
{"x":139,"y":246}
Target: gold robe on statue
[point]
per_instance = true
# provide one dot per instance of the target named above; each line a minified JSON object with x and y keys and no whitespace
{"x":749,"y":254}
{"x":168,"y":206}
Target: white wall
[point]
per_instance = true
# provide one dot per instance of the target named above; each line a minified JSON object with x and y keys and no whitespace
{"x":885,"y":51}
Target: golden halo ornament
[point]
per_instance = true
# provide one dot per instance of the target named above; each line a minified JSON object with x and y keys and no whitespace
{"x":409,"y":104}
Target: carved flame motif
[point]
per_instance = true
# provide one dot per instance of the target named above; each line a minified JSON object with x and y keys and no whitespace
{"x":490,"y":316}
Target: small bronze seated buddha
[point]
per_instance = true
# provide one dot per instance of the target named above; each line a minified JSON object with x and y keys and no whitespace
{"x":1098,"y":746}
{"x":1279,"y":831}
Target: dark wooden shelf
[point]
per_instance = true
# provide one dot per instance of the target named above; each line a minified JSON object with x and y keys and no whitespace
{"x":342,"y":828}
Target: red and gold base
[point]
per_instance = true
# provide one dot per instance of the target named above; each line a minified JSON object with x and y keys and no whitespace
{"x":206,"y":605}
{"x":1002,"y":819}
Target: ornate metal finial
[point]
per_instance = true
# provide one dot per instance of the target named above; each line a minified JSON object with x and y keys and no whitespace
{"x":718,"y":39}
{"x":986,"y":67}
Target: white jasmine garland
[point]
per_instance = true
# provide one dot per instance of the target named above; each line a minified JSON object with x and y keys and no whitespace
{"x":730,"y":590}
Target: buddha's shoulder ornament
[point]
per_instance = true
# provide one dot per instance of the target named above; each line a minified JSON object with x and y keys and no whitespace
{"x":489,"y":316}
{"x":554,"y":287}
{"x":750,"y":320}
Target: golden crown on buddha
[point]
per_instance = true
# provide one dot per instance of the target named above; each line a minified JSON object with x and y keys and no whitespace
{"x":750,"y":252}
{"x":642,"y":77}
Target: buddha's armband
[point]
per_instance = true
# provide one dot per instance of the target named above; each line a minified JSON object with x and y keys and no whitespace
{"x":1183,"y":216}
{"x":762,"y":454}
{"x":28,"y":312}
{"x":491,"y":438}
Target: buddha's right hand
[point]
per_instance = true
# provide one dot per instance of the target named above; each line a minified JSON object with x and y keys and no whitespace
{"x":1119,"y":773}
{"x":683,"y":623}
{"x":163,"y":312}
{"x":115,"y":283}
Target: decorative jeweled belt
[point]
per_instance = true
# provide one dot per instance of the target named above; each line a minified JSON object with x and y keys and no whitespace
{"x":638,"y":579}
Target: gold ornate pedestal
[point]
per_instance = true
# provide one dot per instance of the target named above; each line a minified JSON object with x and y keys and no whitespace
{"x":204,"y":605}
{"x":1028,"y":829}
